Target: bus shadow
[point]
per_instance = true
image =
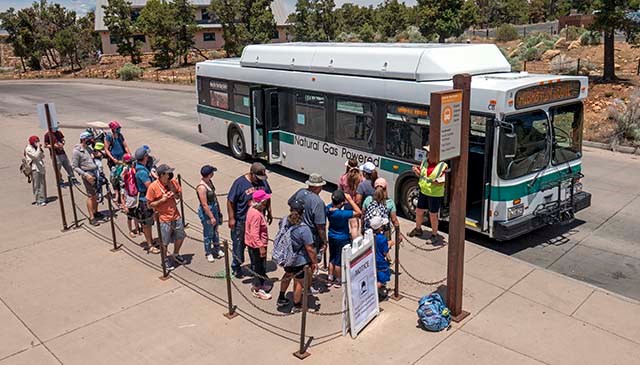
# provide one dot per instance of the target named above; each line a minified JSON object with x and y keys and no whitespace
{"x":557,"y":235}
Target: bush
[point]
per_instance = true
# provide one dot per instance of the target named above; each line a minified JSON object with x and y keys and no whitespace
{"x":507,"y":32}
{"x":563,"y":65}
{"x":590,"y":38}
{"x":572,"y":33}
{"x":129,"y":72}
{"x":627,"y":120}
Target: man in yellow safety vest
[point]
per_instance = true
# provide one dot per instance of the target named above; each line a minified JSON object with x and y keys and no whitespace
{"x":431,"y":183}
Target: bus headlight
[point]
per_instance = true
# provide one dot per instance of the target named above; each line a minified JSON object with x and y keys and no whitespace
{"x":577,"y":187}
{"x":515,"y":211}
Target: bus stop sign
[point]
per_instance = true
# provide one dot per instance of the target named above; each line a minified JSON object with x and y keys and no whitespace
{"x":446,"y":124}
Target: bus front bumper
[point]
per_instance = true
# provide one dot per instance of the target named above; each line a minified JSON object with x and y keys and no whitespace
{"x":505,"y":231}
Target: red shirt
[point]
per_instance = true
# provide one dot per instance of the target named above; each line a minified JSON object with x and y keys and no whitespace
{"x":255,"y":231}
{"x":430,"y":168}
{"x":59,"y":138}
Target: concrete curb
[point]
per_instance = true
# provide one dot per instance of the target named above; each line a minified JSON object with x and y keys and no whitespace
{"x":609,"y":147}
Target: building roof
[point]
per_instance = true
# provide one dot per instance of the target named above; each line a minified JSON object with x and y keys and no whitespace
{"x":404,"y":61}
{"x":281,"y":10}
{"x":3,"y":33}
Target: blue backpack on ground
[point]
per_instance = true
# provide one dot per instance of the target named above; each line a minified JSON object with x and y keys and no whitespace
{"x":433,"y":313}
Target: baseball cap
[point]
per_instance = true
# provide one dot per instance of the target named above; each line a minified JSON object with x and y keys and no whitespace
{"x":33,"y":140}
{"x":207,"y":170}
{"x":114,"y":124}
{"x":259,"y":170}
{"x":85,"y":135}
{"x":380,"y":182}
{"x":141,"y":152}
{"x":377,"y":221}
{"x":164,"y":168}
{"x":315,"y":179}
{"x":260,"y":196}
{"x":296,"y":204}
{"x":337,"y":197}
{"x":368,"y":167}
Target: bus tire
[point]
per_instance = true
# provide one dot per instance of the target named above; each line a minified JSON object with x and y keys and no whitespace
{"x":236,"y":143}
{"x":409,"y":197}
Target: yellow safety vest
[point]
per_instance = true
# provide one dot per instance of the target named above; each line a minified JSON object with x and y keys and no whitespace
{"x":426,"y":182}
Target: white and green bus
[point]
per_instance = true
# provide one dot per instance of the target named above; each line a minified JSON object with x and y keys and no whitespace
{"x":310,"y":107}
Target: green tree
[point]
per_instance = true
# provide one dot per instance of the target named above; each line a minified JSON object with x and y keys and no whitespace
{"x":158,"y":21}
{"x":261,"y":25}
{"x":612,"y":16}
{"x":538,"y":11}
{"x":350,"y":18}
{"x":187,"y":28}
{"x":20,"y":36}
{"x":324,"y":19}
{"x":445,"y":18}
{"x":302,"y":20}
{"x":392,"y":17}
{"x":118,"y":19}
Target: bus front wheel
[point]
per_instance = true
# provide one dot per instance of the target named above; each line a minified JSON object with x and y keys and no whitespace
{"x":236,"y":144}
{"x":409,"y":198}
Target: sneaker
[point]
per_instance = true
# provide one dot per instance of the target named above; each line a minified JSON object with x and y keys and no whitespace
{"x":220,"y":254}
{"x":179,"y":259}
{"x":168,"y":264}
{"x":283,"y":302}
{"x":94,"y":222}
{"x":297,"y":308}
{"x":238,"y":274}
{"x":330,"y":278}
{"x":416,"y":232}
{"x":99,"y":215}
{"x":314,"y":291}
{"x":154,"y":250}
{"x":260,"y":294}
{"x":337,"y":284}
{"x":42,"y":204}
{"x":210,"y":258}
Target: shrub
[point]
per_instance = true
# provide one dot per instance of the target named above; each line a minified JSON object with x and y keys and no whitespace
{"x":563,"y":65}
{"x":129,"y":72}
{"x":572,"y":33}
{"x":590,"y":38}
{"x":627,"y":120}
{"x":506,"y":32}
{"x":515,"y":62}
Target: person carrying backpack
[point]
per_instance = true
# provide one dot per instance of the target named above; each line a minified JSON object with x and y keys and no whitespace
{"x":129,"y":194}
{"x":115,"y":148}
{"x":34,"y":157}
{"x":379,"y":204}
{"x":293,"y":248}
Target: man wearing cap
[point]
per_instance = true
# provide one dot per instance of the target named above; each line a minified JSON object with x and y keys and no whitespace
{"x":84,"y":165}
{"x":144,"y":213}
{"x":365,"y":189}
{"x":238,"y":201}
{"x":314,"y":209}
{"x":55,"y":143}
{"x":431,"y":183}
{"x":115,"y":145}
{"x":161,"y":196}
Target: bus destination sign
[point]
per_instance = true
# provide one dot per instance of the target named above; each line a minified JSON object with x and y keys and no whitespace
{"x":547,"y":93}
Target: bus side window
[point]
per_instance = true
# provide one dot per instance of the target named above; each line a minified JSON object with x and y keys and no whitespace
{"x":241,"y":98}
{"x":355,"y":124}
{"x":310,"y":118}
{"x":407,"y":130}
{"x":219,"y":90}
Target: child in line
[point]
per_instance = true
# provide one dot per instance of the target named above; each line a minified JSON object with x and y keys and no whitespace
{"x":383,"y":272}
{"x":256,"y":238}
{"x":129,"y":194}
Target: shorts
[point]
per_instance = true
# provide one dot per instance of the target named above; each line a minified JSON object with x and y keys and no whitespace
{"x":298,"y":271}
{"x":90,"y":188}
{"x":430,"y":203}
{"x":335,"y":251}
{"x":144,"y":214}
{"x":132,"y":213}
{"x":172,"y":231}
{"x":383,"y":276}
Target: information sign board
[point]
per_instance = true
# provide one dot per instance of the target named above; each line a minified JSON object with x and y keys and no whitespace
{"x":451,"y":122}
{"x":42,"y":116}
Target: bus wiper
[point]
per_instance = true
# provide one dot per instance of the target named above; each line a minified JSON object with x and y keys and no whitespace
{"x":546,"y":149}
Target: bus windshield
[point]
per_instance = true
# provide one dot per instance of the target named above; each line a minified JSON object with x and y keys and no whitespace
{"x":567,"y":133}
{"x":531,"y":132}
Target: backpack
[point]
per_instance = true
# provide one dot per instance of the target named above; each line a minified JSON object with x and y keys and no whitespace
{"x":129,"y":181}
{"x":433,"y":313}
{"x":116,"y":175}
{"x":374,"y":209}
{"x":283,"y":253}
{"x":25,"y":168}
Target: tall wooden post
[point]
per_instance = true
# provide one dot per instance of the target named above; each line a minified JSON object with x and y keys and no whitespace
{"x":53,"y":140}
{"x":458,"y":206}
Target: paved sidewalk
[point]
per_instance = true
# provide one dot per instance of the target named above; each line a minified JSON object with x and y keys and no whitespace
{"x":67,"y":299}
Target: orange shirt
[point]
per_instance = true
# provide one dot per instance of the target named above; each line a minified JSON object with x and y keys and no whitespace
{"x":167,"y":210}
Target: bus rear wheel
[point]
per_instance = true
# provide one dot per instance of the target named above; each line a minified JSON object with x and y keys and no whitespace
{"x":409,"y":193}
{"x":235,"y":139}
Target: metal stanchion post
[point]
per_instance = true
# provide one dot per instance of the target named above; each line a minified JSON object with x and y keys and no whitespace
{"x":163,"y":251}
{"x":185,"y":224}
{"x":113,"y":227}
{"x":232,"y":309}
{"x":396,"y":269}
{"x":73,"y":204}
{"x":302,"y":352}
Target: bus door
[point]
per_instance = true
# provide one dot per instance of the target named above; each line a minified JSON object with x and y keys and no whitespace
{"x":274,"y":102}
{"x":258,"y":127}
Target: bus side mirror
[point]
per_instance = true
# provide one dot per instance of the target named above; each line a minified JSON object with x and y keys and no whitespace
{"x":509,"y":144}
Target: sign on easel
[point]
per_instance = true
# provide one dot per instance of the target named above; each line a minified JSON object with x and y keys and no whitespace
{"x":42,"y":116}
{"x":359,"y":268}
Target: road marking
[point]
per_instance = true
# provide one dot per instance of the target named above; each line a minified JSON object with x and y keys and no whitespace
{"x":138,"y":119}
{"x":174,"y":114}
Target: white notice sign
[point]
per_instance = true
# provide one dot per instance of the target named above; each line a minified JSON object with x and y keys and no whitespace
{"x":42,"y":116}
{"x":450,"y":125}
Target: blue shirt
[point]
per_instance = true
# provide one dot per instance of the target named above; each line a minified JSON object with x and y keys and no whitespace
{"x":142,"y":176}
{"x":240,"y":195}
{"x":365,"y":188}
{"x":382,"y":249}
{"x":339,"y":224}
{"x":301,"y":236}
{"x":116,"y":146}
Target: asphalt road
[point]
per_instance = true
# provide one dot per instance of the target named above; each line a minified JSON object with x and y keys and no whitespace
{"x":602,"y":246}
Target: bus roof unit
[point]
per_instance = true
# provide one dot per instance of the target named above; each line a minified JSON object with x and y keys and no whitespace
{"x":404,"y":61}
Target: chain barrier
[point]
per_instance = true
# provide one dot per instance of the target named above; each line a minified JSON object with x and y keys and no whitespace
{"x":426,"y":283}
{"x":424,"y":249}
{"x":243,"y":295}
{"x":195,"y":189}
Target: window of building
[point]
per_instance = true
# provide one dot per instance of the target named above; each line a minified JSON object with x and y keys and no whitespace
{"x":205,"y":15}
{"x":139,"y":38}
{"x":241,"y":102}
{"x":219,"y":94}
{"x":135,"y":14}
{"x":310,"y":119}
{"x":407,"y":130}
{"x":275,"y":34}
{"x":209,"y":37}
{"x":355,"y":124}
{"x":114,"y":39}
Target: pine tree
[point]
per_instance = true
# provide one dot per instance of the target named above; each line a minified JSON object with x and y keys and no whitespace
{"x":612,"y":16}
{"x":158,"y":21}
{"x":392,"y":17}
{"x":261,"y":24}
{"x":117,"y":18}
{"x":187,"y":28}
{"x":444,"y":18}
{"x":234,"y":32}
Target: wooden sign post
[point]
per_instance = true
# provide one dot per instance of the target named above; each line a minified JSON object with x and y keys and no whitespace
{"x":449,"y":140}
